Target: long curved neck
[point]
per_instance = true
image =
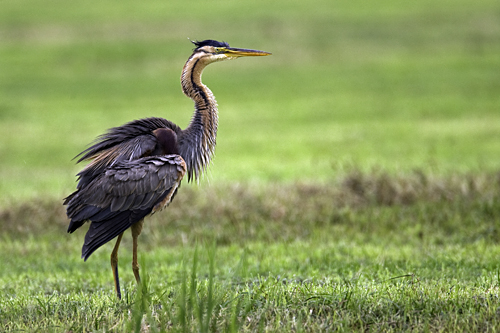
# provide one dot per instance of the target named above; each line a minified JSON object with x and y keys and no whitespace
{"x":197,"y":141}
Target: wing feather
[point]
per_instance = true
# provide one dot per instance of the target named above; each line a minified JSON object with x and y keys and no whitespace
{"x":117,"y":202}
{"x":148,"y":199}
{"x":124,"y":143}
{"x":148,"y":179}
{"x":128,"y":202}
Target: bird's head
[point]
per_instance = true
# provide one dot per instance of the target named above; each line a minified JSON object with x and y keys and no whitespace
{"x":213,"y":50}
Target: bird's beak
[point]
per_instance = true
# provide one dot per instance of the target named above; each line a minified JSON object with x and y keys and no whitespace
{"x":234,"y":52}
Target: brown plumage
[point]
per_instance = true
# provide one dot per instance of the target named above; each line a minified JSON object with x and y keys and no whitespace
{"x":136,"y":169}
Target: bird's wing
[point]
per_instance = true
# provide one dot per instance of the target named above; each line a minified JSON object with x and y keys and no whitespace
{"x":124,"y":143}
{"x":128,"y":150}
{"x":123,"y":195}
{"x":139,"y":184}
{"x":146,"y":183}
{"x":116,"y":136}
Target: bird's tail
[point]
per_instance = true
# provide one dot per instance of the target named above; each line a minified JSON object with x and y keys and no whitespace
{"x":100,"y":233}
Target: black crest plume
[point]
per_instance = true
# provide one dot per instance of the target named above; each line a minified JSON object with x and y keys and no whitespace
{"x":209,"y":42}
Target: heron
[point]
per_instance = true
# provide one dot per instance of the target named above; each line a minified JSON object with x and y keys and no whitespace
{"x":135,"y":170}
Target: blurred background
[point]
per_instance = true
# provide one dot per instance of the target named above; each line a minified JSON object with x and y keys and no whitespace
{"x":351,"y":84}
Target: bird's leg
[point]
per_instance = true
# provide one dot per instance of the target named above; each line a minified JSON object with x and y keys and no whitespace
{"x":136,"y":231}
{"x":114,"y":266}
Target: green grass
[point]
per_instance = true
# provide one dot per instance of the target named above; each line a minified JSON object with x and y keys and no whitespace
{"x":355,"y":185}
{"x":371,"y":252}
{"x":346,"y":287}
{"x":388,"y":86}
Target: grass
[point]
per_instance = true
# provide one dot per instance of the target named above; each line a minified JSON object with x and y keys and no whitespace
{"x":367,"y":253}
{"x":386,"y":292}
{"x":355,"y":186}
{"x":348,"y":84}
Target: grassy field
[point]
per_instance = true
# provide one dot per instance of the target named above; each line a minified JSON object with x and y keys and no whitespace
{"x":355,"y":185}
{"x":372,"y":253}
{"x":349,"y":84}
